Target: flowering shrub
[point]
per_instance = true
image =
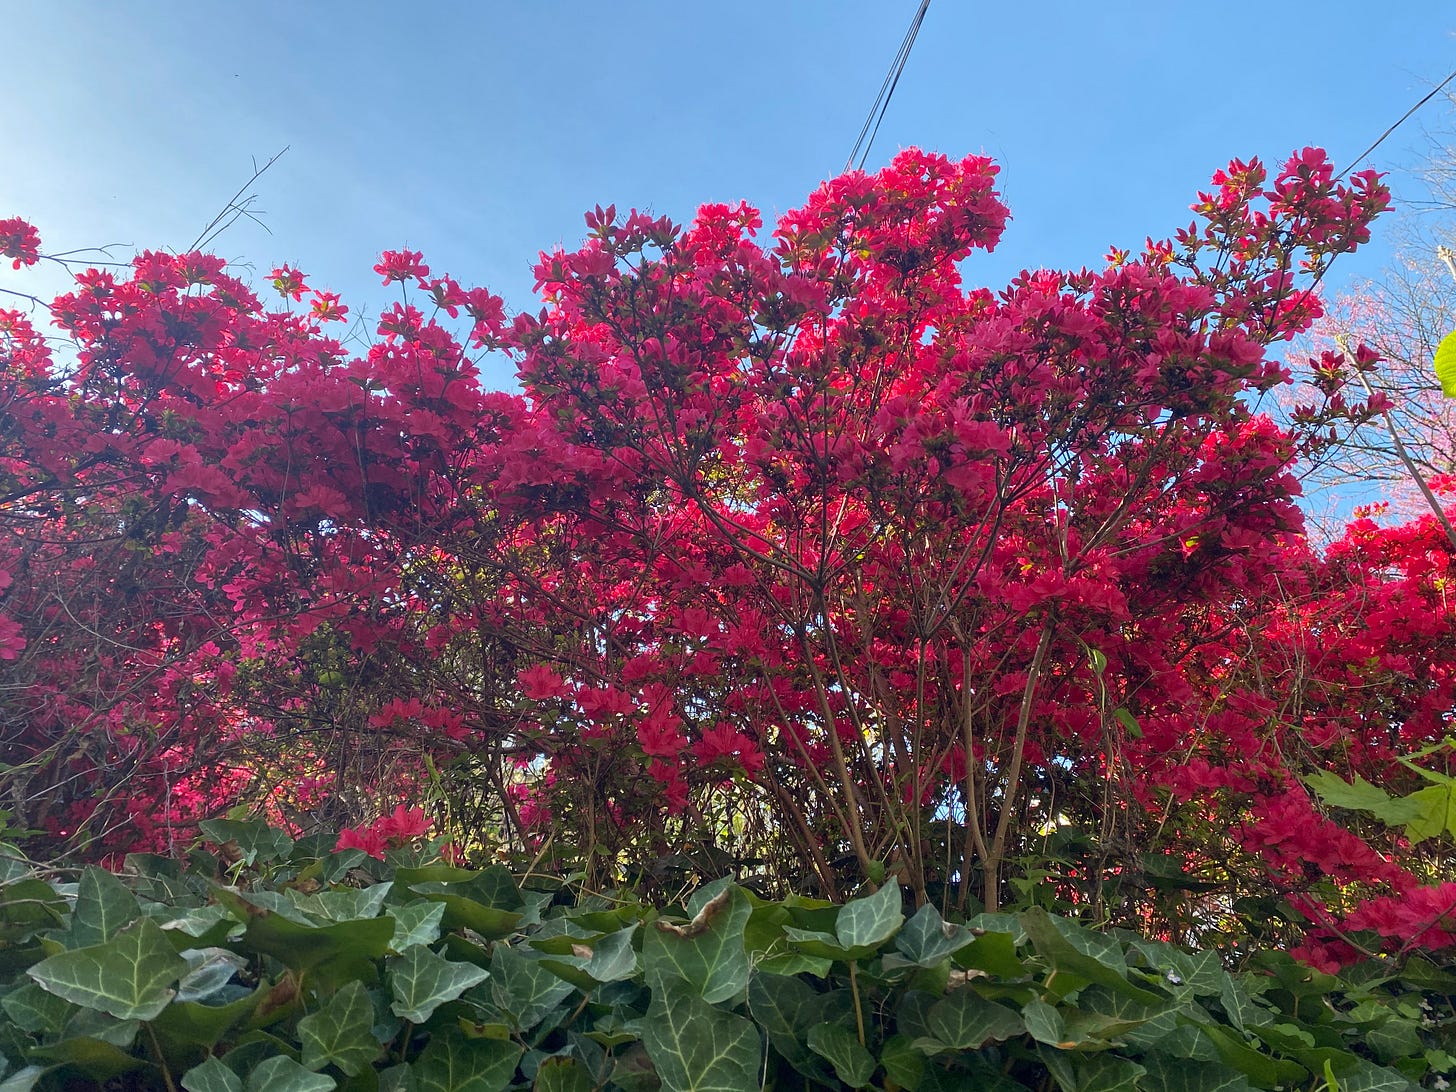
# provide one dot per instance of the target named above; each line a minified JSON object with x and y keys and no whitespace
{"x":392,"y":831}
{"x":792,"y":550}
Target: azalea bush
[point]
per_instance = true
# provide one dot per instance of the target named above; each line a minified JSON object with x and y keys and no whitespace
{"x":794,"y":557}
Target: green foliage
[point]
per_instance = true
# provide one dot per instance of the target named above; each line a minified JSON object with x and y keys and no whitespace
{"x":1445,"y":365}
{"x":269,"y":979}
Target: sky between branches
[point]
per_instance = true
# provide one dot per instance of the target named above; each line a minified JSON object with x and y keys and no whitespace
{"x":479,"y":132}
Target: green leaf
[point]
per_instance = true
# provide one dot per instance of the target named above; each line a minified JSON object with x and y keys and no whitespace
{"x":193,"y":1023}
{"x":1261,"y":1069}
{"x":1044,"y":1023}
{"x":91,"y":1024}
{"x":707,"y":952}
{"x":927,"y":938}
{"x":490,"y":922}
{"x":965,"y":1020}
{"x":822,"y":946}
{"x":96,"y":1058}
{"x":1395,"y":811}
{"x":255,"y":840}
{"x":211,"y":1076}
{"x":1436,"y":813}
{"x":696,"y":1047}
{"x":22,"y":1080}
{"x":1242,"y":1010}
{"x":609,"y":958}
{"x":853,"y":1064}
{"x":1072,"y":949}
{"x":1129,"y":722}
{"x":421,"y":982}
{"x":33,"y":1009}
{"x":561,"y":1074}
{"x":103,"y":906}
{"x":994,"y":953}
{"x":129,"y":976}
{"x":1445,"y":365}
{"x":903,"y":1063}
{"x":208,"y":925}
{"x":27,"y":906}
{"x":209,"y":970}
{"x":1106,"y":1073}
{"x":348,"y":903}
{"x":786,"y":1008}
{"x":341,"y":1032}
{"x":1169,"y":1074}
{"x":335,"y":952}
{"x":454,"y":1063}
{"x":415,"y":923}
{"x":522,"y":987}
{"x":1365,"y":1076}
{"x":871,"y":921}
{"x":283,"y":1074}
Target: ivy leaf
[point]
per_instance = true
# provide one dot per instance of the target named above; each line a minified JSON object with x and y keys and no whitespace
{"x":348,"y":903}
{"x":696,"y":1047}
{"x":707,"y":952}
{"x":1070,"y":948}
{"x":786,"y":1007}
{"x":870,"y":921}
{"x":209,"y":970}
{"x":33,"y":1009}
{"x":1166,"y":1073}
{"x":22,"y":1080}
{"x":853,"y":1064}
{"x":1262,"y":1070}
{"x":965,"y":1020}
{"x":283,"y":1074}
{"x":523,"y":987}
{"x":928,"y":938}
{"x":1445,"y":365}
{"x":104,"y":905}
{"x":192,"y":1023}
{"x":211,"y":1076}
{"x":903,"y":1063}
{"x":129,"y":976}
{"x":99,"y":1059}
{"x":560,"y":1074}
{"x":1366,"y":1076}
{"x":422,"y":981}
{"x":255,"y":840}
{"x":1106,"y":1073}
{"x":1044,"y":1022}
{"x":341,"y":1032}
{"x":415,"y":923}
{"x":453,"y":1063}
{"x":335,"y":953}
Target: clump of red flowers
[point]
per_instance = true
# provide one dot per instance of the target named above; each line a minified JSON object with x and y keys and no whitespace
{"x":391,"y":831}
{"x":19,"y":241}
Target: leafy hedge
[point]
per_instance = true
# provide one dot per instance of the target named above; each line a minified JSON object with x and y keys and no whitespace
{"x":282,"y":966}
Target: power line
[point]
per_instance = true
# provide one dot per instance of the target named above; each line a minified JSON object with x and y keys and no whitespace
{"x":871,"y":126}
{"x":1403,"y":119}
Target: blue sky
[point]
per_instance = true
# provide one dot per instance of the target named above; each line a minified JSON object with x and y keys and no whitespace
{"x":479,"y":132}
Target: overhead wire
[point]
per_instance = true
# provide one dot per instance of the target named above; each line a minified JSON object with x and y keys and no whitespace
{"x":871,"y":127}
{"x":1403,"y":119}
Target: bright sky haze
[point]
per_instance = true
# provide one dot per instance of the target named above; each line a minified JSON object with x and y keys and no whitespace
{"x":478,"y":133}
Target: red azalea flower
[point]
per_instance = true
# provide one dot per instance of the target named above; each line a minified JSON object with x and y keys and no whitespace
{"x":402,"y":265}
{"x":20,"y":241}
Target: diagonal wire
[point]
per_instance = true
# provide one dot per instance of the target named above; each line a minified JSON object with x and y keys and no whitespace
{"x":871,"y":126}
{"x":1403,"y":119}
